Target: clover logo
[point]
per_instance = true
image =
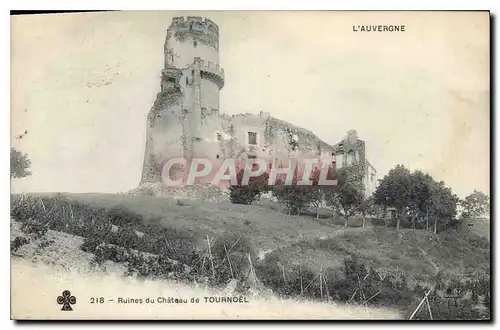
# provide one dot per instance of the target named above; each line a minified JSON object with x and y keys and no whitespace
{"x":66,"y":299}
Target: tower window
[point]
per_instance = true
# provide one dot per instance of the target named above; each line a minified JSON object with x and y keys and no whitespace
{"x":195,"y":43}
{"x":219,"y":137}
{"x":351,"y":158}
{"x":187,"y":81}
{"x":218,"y":157}
{"x":252,"y":138}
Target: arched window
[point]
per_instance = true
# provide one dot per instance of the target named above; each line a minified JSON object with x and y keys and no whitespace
{"x":351,"y":157}
{"x":339,"y":159}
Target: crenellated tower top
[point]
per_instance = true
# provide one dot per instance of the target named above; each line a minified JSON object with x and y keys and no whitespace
{"x":199,"y":28}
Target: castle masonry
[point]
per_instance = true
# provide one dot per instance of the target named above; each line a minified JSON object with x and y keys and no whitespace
{"x":185,"y":120}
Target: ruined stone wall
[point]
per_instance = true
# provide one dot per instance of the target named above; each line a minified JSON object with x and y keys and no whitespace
{"x":350,"y":156}
{"x":370,"y":179}
{"x":242,"y":124}
{"x":216,"y":137}
{"x":286,"y":138}
{"x":277,"y":139}
{"x":165,"y":127}
{"x":209,"y":94}
{"x":185,"y":121}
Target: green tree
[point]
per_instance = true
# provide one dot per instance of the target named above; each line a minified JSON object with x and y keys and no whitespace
{"x":395,"y":190}
{"x":475,"y":205}
{"x":315,"y":192}
{"x":329,"y":192}
{"x":420,"y":198}
{"x":247,"y":193}
{"x":443,"y":205}
{"x":348,"y":196}
{"x":296,"y":196}
{"x":367,"y":207}
{"x":19,"y":164}
{"x":332,"y":199}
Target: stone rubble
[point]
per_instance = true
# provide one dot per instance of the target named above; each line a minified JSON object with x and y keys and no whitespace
{"x":204,"y":192}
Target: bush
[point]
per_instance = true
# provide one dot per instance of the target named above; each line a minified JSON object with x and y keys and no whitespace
{"x":23,"y":207}
{"x":121,"y":216}
{"x":17,"y":243}
{"x":35,"y":228}
{"x":38,"y":214}
{"x":229,"y":253}
{"x":365,"y":286}
{"x":247,"y":193}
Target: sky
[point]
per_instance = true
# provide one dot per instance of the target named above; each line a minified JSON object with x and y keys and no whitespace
{"x":82,"y":85}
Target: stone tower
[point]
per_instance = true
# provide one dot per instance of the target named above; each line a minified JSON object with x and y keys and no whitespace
{"x":190,"y":83}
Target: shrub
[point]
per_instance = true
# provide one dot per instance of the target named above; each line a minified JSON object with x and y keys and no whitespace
{"x":23,"y":207}
{"x":45,"y":242}
{"x":17,"y":243}
{"x":174,"y":243}
{"x":365,"y":286}
{"x":122,"y":216}
{"x":90,"y":244}
{"x":230,"y":256}
{"x":247,"y":193}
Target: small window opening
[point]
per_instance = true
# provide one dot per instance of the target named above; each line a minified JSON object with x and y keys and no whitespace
{"x":252,"y":138}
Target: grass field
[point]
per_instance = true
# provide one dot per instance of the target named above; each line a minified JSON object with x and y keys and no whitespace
{"x":162,"y":238}
{"x":316,"y":243}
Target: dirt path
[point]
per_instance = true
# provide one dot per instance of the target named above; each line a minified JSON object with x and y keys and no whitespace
{"x":430,"y":260}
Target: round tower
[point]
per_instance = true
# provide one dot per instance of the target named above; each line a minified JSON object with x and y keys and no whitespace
{"x":192,"y":45}
{"x":190,"y":83}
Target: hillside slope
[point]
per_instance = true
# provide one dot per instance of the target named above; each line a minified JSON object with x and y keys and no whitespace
{"x":306,"y":240}
{"x":45,"y":272}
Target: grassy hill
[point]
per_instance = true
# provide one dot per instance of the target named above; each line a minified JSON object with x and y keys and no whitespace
{"x":418,"y":254}
{"x":293,"y":256}
{"x":313,"y":242}
{"x":480,"y":227}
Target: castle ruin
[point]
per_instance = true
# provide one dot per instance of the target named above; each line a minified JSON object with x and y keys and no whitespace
{"x":185,"y":120}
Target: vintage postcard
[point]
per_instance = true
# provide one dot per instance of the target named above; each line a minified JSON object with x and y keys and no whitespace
{"x":237,"y":165}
